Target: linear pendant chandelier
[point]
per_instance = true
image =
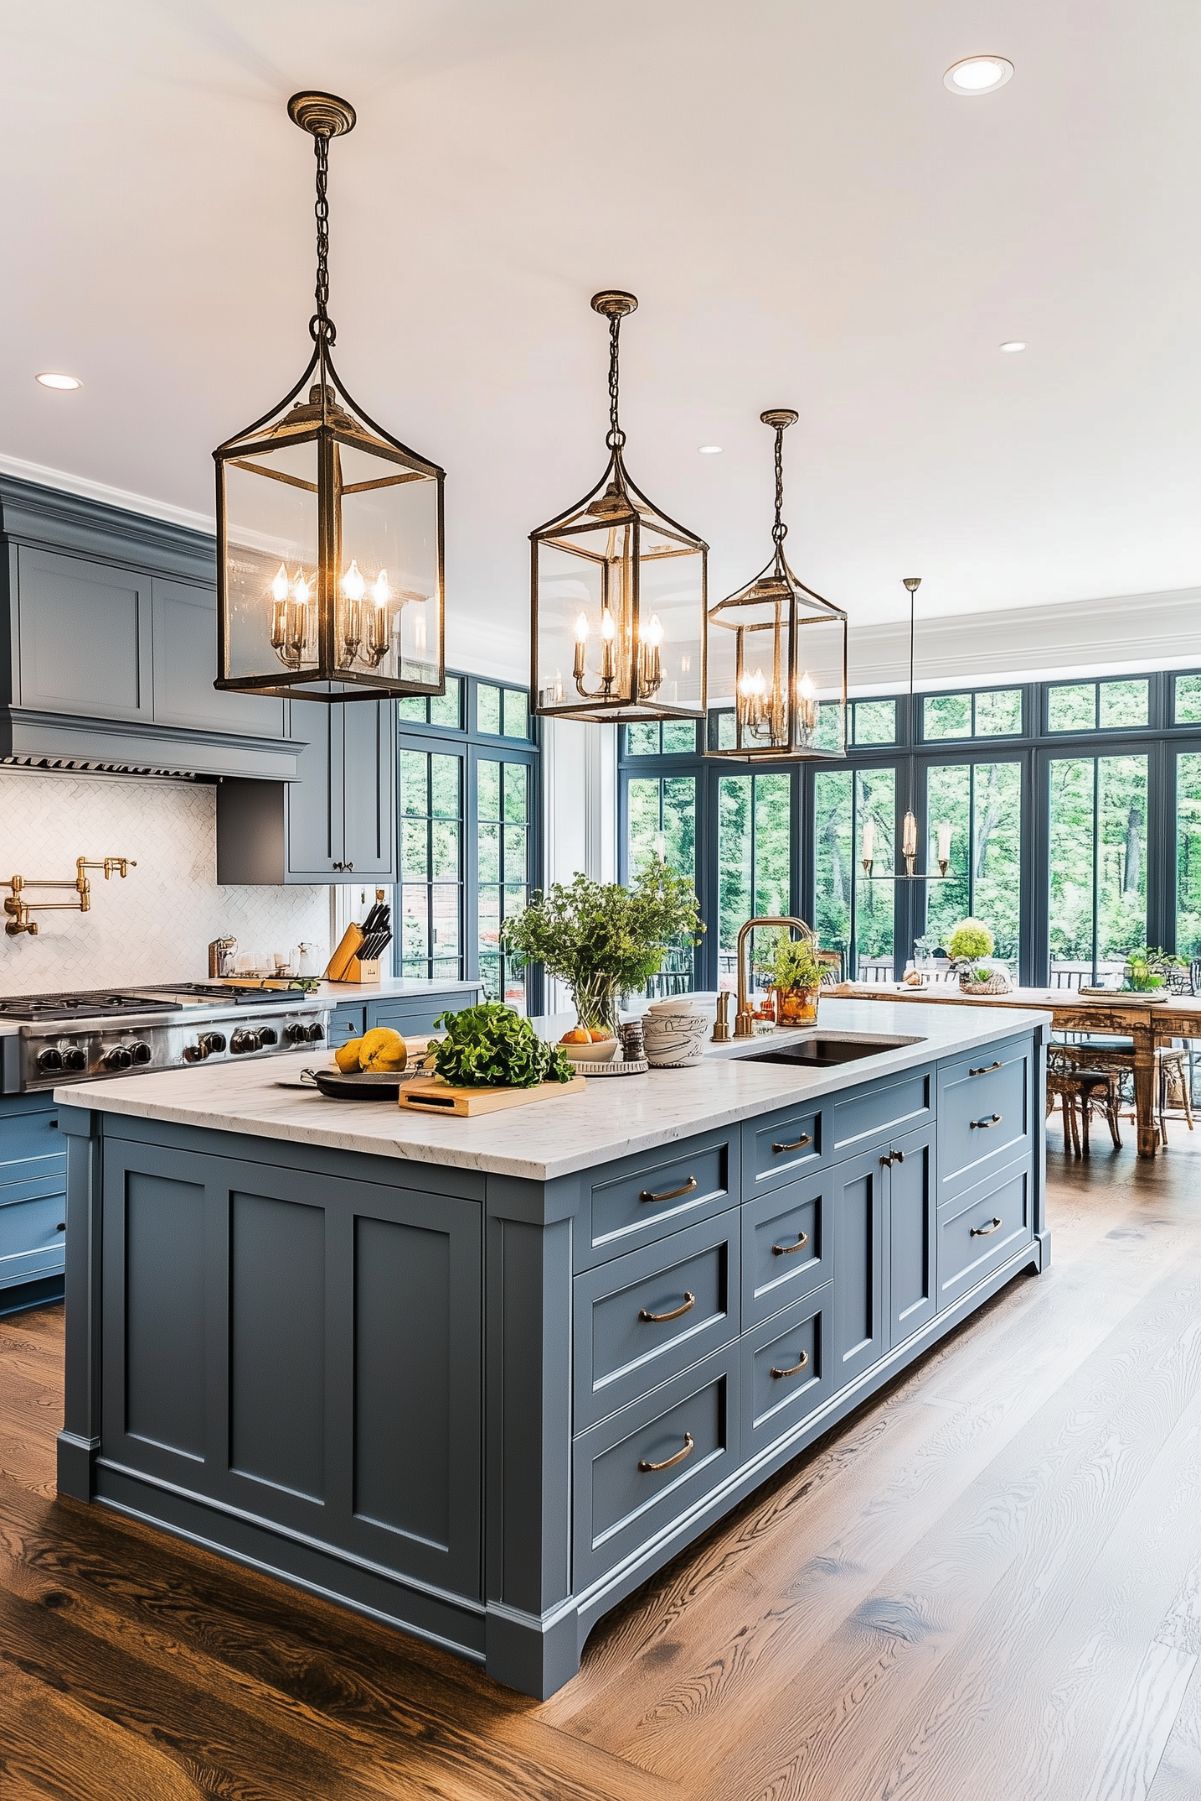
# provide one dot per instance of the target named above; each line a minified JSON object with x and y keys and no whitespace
{"x":774,"y":647}
{"x":329,"y":530}
{"x":867,"y":846}
{"x":617,"y":593}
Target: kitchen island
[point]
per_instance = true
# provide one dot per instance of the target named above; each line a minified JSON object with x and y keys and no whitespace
{"x":481,"y":1377}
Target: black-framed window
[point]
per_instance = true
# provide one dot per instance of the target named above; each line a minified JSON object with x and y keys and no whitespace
{"x":1074,"y":809}
{"x":469,"y":833}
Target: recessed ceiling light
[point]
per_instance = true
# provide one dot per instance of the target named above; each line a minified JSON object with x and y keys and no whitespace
{"x":709,"y":450}
{"x":978,"y":74}
{"x":50,"y":378}
{"x":1011,"y":346}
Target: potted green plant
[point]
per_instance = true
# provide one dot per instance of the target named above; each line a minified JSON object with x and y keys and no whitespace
{"x":796,"y":979}
{"x":1146,"y":969}
{"x":604,"y":940}
{"x":968,"y":946}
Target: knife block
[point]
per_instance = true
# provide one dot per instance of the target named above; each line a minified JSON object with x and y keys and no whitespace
{"x":360,"y":970}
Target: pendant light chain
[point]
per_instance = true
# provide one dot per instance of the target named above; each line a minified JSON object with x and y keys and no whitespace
{"x":321,"y":326}
{"x":615,"y":437}
{"x":779,"y":530}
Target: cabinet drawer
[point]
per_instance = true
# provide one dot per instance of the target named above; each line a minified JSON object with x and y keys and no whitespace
{"x":416,"y":1014}
{"x":785,"y":1247}
{"x":347,"y":1023}
{"x":29,"y":1136}
{"x":778,"y":1147}
{"x":643,"y":1198}
{"x":31,"y":1243}
{"x":984,"y":1106}
{"x":786,"y":1371}
{"x":688,"y":1430}
{"x":887,"y":1108}
{"x":640,"y":1318}
{"x":982,"y":1229}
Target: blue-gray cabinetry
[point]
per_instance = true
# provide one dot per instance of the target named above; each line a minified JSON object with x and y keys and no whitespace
{"x":108,"y":644}
{"x":337,"y":822}
{"x":33,"y":1209}
{"x":408,"y":1014}
{"x":488,"y":1408}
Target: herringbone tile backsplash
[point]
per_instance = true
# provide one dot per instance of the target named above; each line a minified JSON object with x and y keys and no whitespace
{"x":155,"y":925}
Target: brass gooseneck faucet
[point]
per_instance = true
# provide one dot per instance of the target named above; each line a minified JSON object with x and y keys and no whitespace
{"x":744,"y":1019}
{"x":19,"y":910}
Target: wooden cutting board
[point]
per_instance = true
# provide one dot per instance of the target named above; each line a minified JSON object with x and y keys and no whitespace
{"x":430,"y":1094}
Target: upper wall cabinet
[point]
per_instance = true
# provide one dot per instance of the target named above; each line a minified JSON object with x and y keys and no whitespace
{"x":83,"y":637}
{"x":108,"y":645}
{"x":337,"y":822}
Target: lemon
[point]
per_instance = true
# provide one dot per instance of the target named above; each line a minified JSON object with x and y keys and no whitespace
{"x":347,"y":1056}
{"x":382,"y":1049}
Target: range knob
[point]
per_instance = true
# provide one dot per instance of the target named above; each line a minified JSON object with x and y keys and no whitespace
{"x":296,"y":1033}
{"x":120,"y":1057}
{"x":244,"y":1041}
{"x":315,"y":1033}
{"x":206,"y":1045}
{"x":268,"y":1035}
{"x":141,"y":1051}
{"x":50,"y":1060}
{"x":75,"y":1057}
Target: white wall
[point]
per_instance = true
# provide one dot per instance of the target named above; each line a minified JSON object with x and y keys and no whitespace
{"x":156,"y":924}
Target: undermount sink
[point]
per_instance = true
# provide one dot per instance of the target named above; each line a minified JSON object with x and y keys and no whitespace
{"x":823,"y":1051}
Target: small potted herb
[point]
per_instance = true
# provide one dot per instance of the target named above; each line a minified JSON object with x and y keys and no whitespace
{"x":1146,"y":970}
{"x":968,"y":946}
{"x":795,"y":976}
{"x":492,"y":1046}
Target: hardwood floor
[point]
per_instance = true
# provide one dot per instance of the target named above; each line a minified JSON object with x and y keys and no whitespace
{"x":985,"y":1587}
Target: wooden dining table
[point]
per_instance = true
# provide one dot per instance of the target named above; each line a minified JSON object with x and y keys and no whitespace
{"x":1146,"y":1023}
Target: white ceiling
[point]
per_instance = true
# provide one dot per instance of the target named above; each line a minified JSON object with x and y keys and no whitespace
{"x":808,"y":217}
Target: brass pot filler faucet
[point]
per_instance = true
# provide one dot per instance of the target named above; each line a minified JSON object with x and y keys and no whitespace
{"x":19,"y":910}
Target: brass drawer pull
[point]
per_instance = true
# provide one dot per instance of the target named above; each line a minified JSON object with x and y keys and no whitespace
{"x":985,"y":1069}
{"x":982,"y":1125}
{"x":985,"y":1231}
{"x":656,"y":1319}
{"x":798,"y":1144}
{"x":648,"y":1468}
{"x":790,"y":1250}
{"x":794,"y":1369}
{"x":670,"y":1194}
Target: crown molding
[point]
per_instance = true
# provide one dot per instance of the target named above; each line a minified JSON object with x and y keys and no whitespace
{"x":1114,"y":634}
{"x":84,"y":488}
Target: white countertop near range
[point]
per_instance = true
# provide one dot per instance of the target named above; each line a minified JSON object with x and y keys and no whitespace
{"x":613,"y":1116}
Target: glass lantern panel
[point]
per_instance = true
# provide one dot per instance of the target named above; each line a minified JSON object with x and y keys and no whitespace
{"x":671,"y":617}
{"x":271,"y":561}
{"x":821,"y":647}
{"x":778,"y":666}
{"x":583,"y":584}
{"x":386,"y":615}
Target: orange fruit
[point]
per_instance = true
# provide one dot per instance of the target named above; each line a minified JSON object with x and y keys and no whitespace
{"x":598,"y":1035}
{"x":577,"y":1035}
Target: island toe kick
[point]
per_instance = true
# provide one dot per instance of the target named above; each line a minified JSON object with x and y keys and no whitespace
{"x":484,"y":1407}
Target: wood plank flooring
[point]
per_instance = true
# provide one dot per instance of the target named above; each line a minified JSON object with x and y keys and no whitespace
{"x":984,"y":1587}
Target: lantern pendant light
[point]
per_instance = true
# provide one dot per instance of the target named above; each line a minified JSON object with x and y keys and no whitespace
{"x":329,"y":530}
{"x":775,"y":647}
{"x":867,"y":845}
{"x":617,"y":593}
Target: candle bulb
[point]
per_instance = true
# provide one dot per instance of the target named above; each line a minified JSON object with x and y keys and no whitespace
{"x":944,"y":843}
{"x":868,"y":847}
{"x":909,"y":836}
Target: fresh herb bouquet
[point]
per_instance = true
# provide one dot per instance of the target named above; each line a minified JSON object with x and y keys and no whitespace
{"x":604,"y":940}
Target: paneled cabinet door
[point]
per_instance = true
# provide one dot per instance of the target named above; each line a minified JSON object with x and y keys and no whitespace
{"x":185,"y":662}
{"x":858,"y":1188}
{"x":368,"y":787}
{"x":912,"y":1235}
{"x":84,"y":637}
{"x":314,"y":799}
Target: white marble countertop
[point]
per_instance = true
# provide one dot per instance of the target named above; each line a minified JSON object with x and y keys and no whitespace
{"x":611,"y":1118}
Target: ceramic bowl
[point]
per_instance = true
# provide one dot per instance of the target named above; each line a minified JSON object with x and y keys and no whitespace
{"x":602,"y":1052}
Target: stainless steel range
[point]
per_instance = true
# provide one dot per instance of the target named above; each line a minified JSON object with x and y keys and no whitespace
{"x":80,"y":1037}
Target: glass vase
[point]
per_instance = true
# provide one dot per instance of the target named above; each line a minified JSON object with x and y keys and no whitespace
{"x":796,"y":1006}
{"x":595,"y":1003}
